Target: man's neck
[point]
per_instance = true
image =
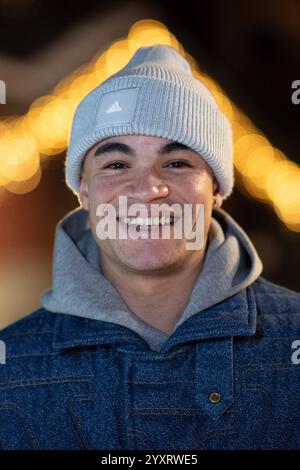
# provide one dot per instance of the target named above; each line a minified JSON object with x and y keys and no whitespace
{"x":159,"y":300}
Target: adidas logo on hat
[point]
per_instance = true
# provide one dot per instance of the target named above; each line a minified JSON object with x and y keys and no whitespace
{"x":114,"y":108}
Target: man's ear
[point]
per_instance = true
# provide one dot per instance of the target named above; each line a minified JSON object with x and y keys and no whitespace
{"x":84,"y":192}
{"x":217,"y":198}
{"x":218,"y":201}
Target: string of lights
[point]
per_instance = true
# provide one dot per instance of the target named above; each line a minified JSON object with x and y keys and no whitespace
{"x":263,"y":171}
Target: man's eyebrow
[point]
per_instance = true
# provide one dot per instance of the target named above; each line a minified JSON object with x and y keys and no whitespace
{"x":124,"y":148}
{"x":172,"y":146}
{"x":114,"y":147}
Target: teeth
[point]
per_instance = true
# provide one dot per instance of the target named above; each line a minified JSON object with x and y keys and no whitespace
{"x":147,"y":221}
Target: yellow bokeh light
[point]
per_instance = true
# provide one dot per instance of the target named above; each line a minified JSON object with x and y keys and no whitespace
{"x":50,"y":124}
{"x":3,"y":180}
{"x":117,"y":56}
{"x":150,"y":32}
{"x":293,"y":227}
{"x":244,"y":146}
{"x":208,"y":82}
{"x":224,"y":104}
{"x":287,"y":200}
{"x":19,"y":158}
{"x":282,"y":171}
{"x":25,"y":186}
{"x":259,"y":162}
{"x":241,"y":124}
{"x":254,"y":188}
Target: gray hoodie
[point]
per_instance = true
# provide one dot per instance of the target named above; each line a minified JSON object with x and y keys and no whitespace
{"x":79,"y":287}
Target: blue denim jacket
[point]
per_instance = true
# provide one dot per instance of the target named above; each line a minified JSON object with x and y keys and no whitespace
{"x":227,"y":378}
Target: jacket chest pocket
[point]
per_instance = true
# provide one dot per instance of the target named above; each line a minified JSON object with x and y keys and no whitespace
{"x":181,"y":429}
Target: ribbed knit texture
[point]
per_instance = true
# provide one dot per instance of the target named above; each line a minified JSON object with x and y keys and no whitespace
{"x":167,"y":101}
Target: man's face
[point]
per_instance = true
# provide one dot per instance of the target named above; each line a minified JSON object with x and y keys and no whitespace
{"x":148,"y":170}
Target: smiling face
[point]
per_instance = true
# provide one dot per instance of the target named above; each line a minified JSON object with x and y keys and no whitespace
{"x":148,"y":170}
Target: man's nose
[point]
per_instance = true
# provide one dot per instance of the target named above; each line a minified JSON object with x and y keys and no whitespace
{"x":148,"y":186}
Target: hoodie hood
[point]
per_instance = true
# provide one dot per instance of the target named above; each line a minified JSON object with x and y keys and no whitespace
{"x":79,"y":287}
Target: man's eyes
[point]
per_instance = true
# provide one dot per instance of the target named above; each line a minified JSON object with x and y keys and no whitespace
{"x":118,"y":165}
{"x":179,"y":162}
{"x":111,"y":165}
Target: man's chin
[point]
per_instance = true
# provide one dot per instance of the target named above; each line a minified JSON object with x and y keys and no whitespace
{"x":155,"y":256}
{"x":149,"y":266}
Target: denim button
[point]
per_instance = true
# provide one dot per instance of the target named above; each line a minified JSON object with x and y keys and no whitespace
{"x":215,"y":397}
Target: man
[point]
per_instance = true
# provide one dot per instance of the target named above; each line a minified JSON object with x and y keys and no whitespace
{"x":144,"y":342}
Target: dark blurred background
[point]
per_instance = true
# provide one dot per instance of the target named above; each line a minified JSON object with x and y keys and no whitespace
{"x":250,"y":48}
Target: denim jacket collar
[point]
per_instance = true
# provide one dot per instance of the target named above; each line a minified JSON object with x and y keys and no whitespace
{"x":236,"y":316}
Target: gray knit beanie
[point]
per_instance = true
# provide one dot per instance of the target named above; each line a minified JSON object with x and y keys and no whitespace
{"x":155,"y":94}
